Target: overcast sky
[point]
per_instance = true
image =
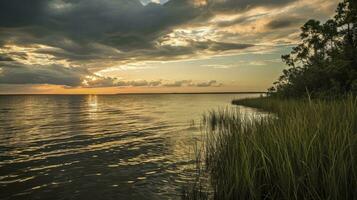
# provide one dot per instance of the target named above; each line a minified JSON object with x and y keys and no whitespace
{"x":112,"y":46}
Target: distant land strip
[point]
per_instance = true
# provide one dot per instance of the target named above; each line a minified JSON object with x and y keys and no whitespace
{"x":161,"y":93}
{"x":192,"y":93}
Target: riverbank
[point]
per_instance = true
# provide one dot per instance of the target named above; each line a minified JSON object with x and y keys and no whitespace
{"x":306,"y":150}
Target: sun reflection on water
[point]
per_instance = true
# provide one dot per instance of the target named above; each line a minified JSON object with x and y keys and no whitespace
{"x":92,"y":102}
{"x":105,"y":145}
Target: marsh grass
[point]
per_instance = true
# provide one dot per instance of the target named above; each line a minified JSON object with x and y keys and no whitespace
{"x":306,"y":150}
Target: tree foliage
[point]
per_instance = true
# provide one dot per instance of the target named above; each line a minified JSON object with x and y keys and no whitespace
{"x":324,"y":63}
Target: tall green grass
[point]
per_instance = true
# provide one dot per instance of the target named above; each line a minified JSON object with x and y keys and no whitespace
{"x":306,"y":150}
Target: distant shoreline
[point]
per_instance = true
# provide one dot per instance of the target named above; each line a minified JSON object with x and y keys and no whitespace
{"x":163,"y":93}
{"x":192,"y":93}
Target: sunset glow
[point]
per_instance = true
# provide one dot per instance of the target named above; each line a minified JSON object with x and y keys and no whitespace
{"x":236,"y":46}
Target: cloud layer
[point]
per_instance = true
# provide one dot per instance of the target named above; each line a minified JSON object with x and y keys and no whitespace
{"x":63,"y":42}
{"x":17,"y":73}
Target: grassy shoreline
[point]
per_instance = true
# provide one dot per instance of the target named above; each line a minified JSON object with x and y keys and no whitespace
{"x":307,"y":152}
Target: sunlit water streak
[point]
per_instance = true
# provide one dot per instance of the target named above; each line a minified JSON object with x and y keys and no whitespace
{"x":101,"y":147}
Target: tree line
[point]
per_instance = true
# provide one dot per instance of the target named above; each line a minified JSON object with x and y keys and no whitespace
{"x":324,"y":63}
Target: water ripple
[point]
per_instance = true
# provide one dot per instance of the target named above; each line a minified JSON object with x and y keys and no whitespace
{"x":99,"y":147}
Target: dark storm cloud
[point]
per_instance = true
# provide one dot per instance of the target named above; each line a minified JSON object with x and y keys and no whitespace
{"x":5,"y":58}
{"x":285,"y":22}
{"x":168,"y":51}
{"x":17,"y":73}
{"x":91,"y":29}
{"x":21,"y":89}
{"x":74,"y":25}
{"x":17,"y":13}
{"x":81,"y":31}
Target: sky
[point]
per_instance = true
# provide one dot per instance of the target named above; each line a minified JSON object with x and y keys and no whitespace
{"x":148,"y":46}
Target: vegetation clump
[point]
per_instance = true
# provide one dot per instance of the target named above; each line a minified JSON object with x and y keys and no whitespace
{"x":306,"y":151}
{"x":324,"y":64}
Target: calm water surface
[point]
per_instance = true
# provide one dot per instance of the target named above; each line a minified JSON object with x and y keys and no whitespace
{"x":100,"y":147}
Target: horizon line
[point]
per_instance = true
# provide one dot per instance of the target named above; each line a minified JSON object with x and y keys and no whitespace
{"x":139,"y":93}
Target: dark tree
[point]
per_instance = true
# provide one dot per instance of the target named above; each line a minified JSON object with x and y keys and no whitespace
{"x":324,"y":64}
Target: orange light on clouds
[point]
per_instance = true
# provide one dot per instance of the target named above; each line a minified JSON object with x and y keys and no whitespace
{"x":56,"y":89}
{"x":200,"y":2}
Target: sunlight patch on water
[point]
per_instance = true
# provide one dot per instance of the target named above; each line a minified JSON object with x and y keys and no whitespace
{"x":117,"y":147}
